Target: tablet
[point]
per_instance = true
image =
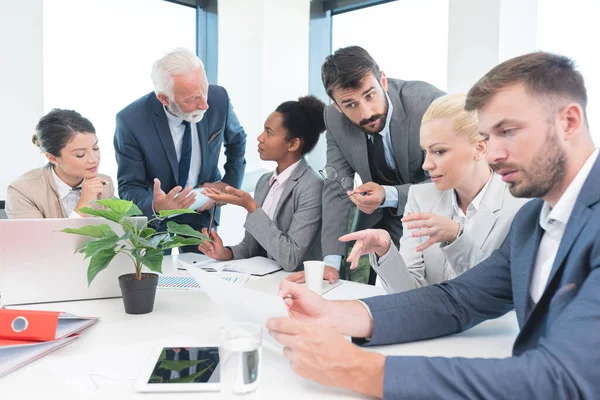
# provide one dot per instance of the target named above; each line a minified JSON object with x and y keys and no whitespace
{"x":181,"y":369}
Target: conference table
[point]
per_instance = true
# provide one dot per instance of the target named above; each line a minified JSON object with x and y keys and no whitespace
{"x":106,"y":360}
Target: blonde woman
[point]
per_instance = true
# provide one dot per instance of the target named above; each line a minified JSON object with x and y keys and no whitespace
{"x":452,"y":223}
{"x":70,"y":180}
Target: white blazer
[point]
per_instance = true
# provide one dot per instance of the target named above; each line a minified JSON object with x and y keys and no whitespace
{"x":409,"y":269}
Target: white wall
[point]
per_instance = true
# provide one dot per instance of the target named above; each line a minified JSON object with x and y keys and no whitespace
{"x":411,"y":42}
{"x":572,"y":29}
{"x":263,"y":61}
{"x":21,"y":86}
{"x":482,"y":34}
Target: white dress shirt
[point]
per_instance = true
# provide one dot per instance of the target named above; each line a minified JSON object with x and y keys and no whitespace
{"x":457,"y":213}
{"x":68,"y":197}
{"x":553,"y":221}
{"x":391,"y":194}
{"x":277,"y":184}
{"x":177,"y":131}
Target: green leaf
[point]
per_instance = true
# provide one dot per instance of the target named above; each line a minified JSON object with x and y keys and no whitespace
{"x":180,"y":365}
{"x":99,"y":262}
{"x":170,"y":213}
{"x":193,"y":377}
{"x":177,"y":241}
{"x":163,"y":355}
{"x":134,"y":211}
{"x":110,"y":215}
{"x":157,"y":239}
{"x":147,"y":232}
{"x":184,"y":230}
{"x":141,"y":243}
{"x":90,"y":230}
{"x":152,"y":259}
{"x":95,"y":246}
{"x":126,"y":236}
{"x":119,"y":206}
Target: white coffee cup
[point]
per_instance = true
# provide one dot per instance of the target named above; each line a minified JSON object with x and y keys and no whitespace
{"x":313,"y":273}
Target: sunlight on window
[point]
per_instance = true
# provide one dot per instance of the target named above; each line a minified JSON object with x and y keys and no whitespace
{"x":98,"y":56}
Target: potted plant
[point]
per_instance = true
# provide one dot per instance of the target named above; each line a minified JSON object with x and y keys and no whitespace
{"x":143,"y":245}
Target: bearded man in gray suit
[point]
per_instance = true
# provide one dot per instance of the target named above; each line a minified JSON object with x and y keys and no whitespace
{"x":373,"y":128}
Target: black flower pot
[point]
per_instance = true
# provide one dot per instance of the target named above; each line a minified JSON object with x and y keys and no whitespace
{"x":138,"y":295}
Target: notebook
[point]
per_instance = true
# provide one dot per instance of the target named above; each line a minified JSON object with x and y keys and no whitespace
{"x":258,"y":266}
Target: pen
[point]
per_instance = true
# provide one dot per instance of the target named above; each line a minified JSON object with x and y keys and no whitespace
{"x":212,"y":218}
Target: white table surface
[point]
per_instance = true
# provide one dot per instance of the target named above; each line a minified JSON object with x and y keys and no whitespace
{"x":106,"y":360}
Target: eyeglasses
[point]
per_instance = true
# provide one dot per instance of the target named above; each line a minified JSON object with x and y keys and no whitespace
{"x":331,"y":178}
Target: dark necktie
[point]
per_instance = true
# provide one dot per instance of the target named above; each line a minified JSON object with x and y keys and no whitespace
{"x":378,"y":151}
{"x":380,"y":170}
{"x":186,"y":154}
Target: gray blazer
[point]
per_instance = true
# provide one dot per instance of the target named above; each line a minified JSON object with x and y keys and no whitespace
{"x":410,"y":269}
{"x":292,"y":236}
{"x":347,"y":152}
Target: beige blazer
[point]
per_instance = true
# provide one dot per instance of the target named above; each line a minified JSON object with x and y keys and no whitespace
{"x":409,"y":269}
{"x":34,"y":195}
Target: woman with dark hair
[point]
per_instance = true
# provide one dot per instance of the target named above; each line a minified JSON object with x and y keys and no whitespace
{"x":70,"y":180}
{"x":284,"y":218}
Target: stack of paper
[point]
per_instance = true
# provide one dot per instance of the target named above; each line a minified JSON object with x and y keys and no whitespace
{"x":28,"y":335}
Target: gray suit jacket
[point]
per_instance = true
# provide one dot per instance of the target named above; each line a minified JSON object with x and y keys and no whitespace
{"x":555,"y":355}
{"x":347,"y":152}
{"x":409,"y":269}
{"x":292,"y":236}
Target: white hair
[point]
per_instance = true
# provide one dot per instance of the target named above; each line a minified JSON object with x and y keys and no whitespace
{"x":179,"y":61}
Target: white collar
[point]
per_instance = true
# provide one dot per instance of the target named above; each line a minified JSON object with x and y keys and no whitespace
{"x":285,"y":175}
{"x":564,"y":207}
{"x":388,"y":120}
{"x":476,"y":201}
{"x":172,"y":119}
{"x":62,"y":187}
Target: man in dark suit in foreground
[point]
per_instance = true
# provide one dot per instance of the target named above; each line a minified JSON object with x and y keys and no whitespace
{"x":532,"y":109}
{"x":169,"y":141}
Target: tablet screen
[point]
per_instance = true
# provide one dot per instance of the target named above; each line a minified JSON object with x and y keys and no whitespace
{"x":186,"y":365}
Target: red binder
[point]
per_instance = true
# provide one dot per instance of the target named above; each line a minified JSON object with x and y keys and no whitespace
{"x":27,"y":335}
{"x":40,"y":326}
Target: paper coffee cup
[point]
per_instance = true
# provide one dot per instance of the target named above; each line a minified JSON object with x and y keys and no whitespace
{"x":313,"y":272}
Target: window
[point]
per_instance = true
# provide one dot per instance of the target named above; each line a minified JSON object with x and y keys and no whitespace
{"x":98,"y":56}
{"x":408,"y":39}
{"x":571,"y":31}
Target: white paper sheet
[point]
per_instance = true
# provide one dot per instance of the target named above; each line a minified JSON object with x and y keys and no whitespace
{"x":239,"y":303}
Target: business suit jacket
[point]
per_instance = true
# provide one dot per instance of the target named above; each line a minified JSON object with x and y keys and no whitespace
{"x":555,"y":355}
{"x":144,"y":149}
{"x":292,"y":236}
{"x":34,"y":195}
{"x":409,"y":269}
{"x":347,"y":152}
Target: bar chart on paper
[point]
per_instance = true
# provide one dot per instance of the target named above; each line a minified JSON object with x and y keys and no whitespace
{"x":177,"y":282}
{"x":183,"y":282}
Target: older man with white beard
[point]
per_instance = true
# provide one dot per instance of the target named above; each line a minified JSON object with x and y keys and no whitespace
{"x":168,"y":142}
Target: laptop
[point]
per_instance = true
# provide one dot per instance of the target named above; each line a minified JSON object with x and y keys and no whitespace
{"x":39,"y":264}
